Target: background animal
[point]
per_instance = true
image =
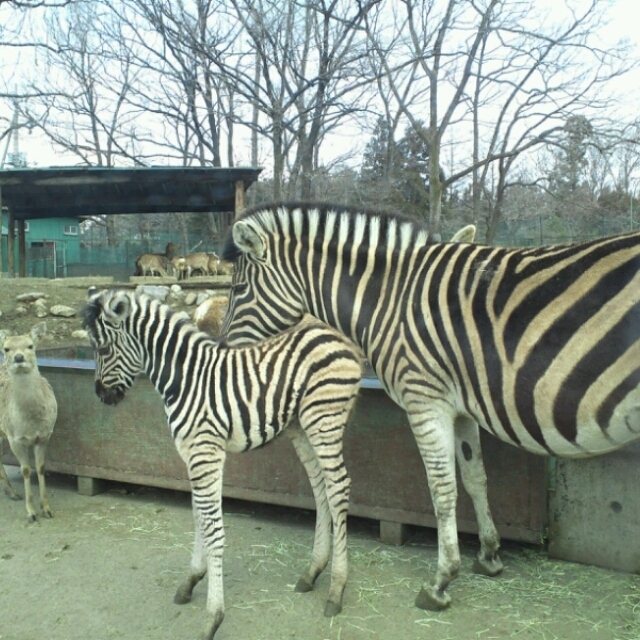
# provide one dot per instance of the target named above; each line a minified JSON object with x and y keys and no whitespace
{"x":156,"y":263}
{"x":209,"y":314}
{"x":220,"y":399}
{"x":539,"y":346}
{"x":28,"y":412}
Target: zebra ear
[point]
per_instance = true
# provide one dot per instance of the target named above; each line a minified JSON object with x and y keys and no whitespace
{"x":466,"y":234}
{"x":117,"y":308}
{"x":248,"y":239}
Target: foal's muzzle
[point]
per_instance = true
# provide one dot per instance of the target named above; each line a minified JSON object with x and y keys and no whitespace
{"x":109,"y":395}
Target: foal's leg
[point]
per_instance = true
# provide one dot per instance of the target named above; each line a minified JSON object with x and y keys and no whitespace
{"x":322,"y":538}
{"x":39,"y":451}
{"x":325,"y":434}
{"x":205,"y":474}
{"x":198,"y":563}
{"x":474,"y":479}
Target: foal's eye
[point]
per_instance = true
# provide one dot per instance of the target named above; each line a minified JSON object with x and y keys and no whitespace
{"x":240,"y":288}
{"x":102,"y":351}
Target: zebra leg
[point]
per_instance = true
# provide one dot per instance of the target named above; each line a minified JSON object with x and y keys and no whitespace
{"x":198,"y":563}
{"x":205,"y":466}
{"x":322,"y":538}
{"x":39,"y":452}
{"x":434,"y":435}
{"x":326,"y":438}
{"x":474,"y":479}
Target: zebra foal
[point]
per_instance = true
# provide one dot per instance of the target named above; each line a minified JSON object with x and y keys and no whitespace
{"x":541,"y":346}
{"x":219,"y":398}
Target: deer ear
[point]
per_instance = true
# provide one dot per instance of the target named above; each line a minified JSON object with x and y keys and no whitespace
{"x":248,"y":239}
{"x":117,"y":307}
{"x":38,"y":331}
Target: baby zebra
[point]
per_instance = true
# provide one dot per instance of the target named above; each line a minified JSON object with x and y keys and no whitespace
{"x":219,"y":398}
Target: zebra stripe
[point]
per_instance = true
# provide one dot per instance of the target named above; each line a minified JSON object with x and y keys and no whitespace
{"x":219,"y":398}
{"x":538,"y":346}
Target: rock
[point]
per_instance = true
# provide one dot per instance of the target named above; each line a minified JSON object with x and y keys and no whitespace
{"x":21,"y":310}
{"x":31,"y":296}
{"x":41,"y":311}
{"x":62,"y":311}
{"x":154,"y":291}
{"x":190,"y":298}
{"x":202,"y":296}
{"x":80,"y":334}
{"x":176,"y":289}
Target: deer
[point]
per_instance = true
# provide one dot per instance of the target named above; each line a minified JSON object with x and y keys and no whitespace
{"x":155,"y":263}
{"x":28,"y":413}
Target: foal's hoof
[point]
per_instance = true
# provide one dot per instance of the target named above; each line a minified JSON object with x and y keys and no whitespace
{"x":304,"y":586}
{"x":183,"y":595}
{"x":488,"y":567}
{"x":432,"y":600}
{"x":332,"y":609}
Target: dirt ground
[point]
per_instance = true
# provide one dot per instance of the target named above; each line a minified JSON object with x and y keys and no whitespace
{"x":71,"y":292}
{"x":107,"y":567}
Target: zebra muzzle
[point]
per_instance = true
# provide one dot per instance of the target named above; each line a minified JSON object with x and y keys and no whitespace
{"x":109,"y":395}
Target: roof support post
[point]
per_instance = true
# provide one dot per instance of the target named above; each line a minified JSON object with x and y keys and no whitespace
{"x":239,"y":198}
{"x":22,"y":249}
{"x":11,"y":231}
{"x":0,"y":230}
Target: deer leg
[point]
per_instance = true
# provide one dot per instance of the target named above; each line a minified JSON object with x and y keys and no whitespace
{"x":4,"y":481}
{"x":39,"y":451}
{"x":22,"y":453}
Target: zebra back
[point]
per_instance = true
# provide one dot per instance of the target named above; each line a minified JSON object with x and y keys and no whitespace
{"x":539,"y":346}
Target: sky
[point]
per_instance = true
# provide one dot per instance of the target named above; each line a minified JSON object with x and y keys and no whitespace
{"x":623,"y":25}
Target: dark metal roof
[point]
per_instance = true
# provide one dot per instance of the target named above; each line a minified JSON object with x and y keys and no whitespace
{"x":63,"y":192}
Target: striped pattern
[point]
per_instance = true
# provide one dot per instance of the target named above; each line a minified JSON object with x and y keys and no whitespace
{"x":538,"y":346}
{"x":218,"y":399}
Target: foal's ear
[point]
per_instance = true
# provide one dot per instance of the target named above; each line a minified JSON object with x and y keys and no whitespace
{"x":248,"y":239}
{"x":117,"y":307}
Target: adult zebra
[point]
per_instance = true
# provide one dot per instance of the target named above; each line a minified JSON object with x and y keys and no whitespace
{"x":218,"y":399}
{"x":538,"y":346}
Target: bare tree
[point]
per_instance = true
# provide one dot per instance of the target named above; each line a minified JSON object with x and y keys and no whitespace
{"x":498,"y":72}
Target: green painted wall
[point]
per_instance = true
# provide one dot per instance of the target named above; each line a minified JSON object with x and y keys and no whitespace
{"x":58,"y":230}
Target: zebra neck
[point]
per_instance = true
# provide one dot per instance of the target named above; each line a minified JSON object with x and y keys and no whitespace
{"x":169,"y":356}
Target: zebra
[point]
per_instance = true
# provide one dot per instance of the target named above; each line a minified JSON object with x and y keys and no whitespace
{"x":539,"y":346}
{"x":219,"y":398}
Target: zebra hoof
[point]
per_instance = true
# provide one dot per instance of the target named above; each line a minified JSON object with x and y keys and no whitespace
{"x":183,"y":595}
{"x":303,"y":585}
{"x":332,"y":609}
{"x":432,"y":600}
{"x":487,"y":567}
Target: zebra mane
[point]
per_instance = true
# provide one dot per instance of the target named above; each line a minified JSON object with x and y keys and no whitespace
{"x":95,"y":307}
{"x":267,"y":216}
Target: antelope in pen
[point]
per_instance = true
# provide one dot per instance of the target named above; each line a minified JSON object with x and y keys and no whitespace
{"x":219,"y":398}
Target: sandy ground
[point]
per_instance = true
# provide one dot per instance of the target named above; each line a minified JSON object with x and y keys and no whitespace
{"x":107,"y":567}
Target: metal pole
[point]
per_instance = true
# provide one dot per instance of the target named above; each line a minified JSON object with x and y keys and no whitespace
{"x":11,"y":230}
{"x":1,"y":216}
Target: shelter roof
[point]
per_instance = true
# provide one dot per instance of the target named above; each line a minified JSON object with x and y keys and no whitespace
{"x":74,"y":192}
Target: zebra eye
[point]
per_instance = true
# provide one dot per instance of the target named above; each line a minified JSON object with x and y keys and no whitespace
{"x":240,"y":288}
{"x":102,"y":351}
